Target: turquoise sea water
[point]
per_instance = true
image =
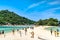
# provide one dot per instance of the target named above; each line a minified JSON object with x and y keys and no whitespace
{"x":53,"y":28}
{"x":10,"y":28}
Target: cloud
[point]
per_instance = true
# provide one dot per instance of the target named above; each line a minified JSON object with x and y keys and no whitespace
{"x":54,"y":2}
{"x":45,"y":14}
{"x":34,"y":5}
{"x":50,"y":13}
{"x":51,"y":9}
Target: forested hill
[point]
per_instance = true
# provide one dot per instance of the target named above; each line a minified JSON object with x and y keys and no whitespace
{"x":7,"y":17}
{"x":49,"y":22}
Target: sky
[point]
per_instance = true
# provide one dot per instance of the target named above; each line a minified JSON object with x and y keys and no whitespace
{"x":33,"y":9}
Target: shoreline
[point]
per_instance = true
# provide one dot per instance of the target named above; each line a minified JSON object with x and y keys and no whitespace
{"x":39,"y":34}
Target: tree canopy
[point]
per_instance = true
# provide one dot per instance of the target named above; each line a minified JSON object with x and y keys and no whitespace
{"x":50,"y":22}
{"x":12,"y":18}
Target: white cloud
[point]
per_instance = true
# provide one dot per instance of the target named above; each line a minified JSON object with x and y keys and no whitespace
{"x":52,"y":9}
{"x":54,"y":2}
{"x":34,"y":5}
{"x":44,"y":14}
{"x":49,"y":13}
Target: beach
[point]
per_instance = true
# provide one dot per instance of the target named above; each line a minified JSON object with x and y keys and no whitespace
{"x":39,"y":34}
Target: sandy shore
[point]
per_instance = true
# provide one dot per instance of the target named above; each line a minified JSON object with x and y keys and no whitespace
{"x":39,"y":34}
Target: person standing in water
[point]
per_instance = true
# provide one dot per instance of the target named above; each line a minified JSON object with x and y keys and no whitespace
{"x":17,"y":30}
{"x":51,"y":31}
{"x":3,"y":32}
{"x":0,"y":32}
{"x":13,"y":31}
{"x":57,"y":32}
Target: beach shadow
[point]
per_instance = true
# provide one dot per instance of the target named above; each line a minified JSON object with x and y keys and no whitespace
{"x":41,"y":38}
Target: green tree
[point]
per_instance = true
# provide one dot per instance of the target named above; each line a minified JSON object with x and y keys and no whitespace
{"x":12,"y":18}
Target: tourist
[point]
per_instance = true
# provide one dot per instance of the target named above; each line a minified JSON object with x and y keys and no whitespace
{"x":31,"y":27}
{"x":0,"y":32}
{"x":32,"y":33}
{"x":25,"y":31}
{"x":13,"y":31}
{"x":3,"y":32}
{"x":17,"y":29}
{"x":57,"y":32}
{"x":51,"y":31}
{"x":20,"y":33}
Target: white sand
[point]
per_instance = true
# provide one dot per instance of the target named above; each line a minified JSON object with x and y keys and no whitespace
{"x":40,"y":34}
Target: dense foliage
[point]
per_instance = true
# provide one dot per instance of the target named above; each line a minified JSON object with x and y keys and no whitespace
{"x":49,"y":22}
{"x":7,"y":17}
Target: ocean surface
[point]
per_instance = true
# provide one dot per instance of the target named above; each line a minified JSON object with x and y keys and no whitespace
{"x":54,"y":28}
{"x":10,"y":28}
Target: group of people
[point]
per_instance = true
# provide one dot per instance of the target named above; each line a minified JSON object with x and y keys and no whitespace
{"x":32,"y":33}
{"x":20,"y":32}
{"x":55,"y":32}
{"x":2,"y":32}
